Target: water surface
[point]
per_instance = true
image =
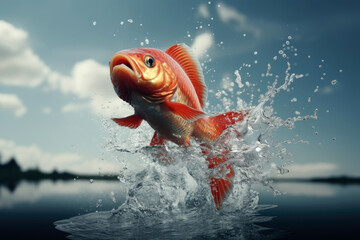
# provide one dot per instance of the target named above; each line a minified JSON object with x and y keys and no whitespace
{"x":84,"y":211}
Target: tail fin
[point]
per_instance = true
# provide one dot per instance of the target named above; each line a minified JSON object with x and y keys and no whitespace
{"x":220,"y":187}
{"x":225,"y":120}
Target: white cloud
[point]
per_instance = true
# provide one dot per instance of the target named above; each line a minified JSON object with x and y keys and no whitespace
{"x":12,"y":103}
{"x":327,"y":90}
{"x":19,"y":66}
{"x":202,"y":43}
{"x":306,"y":189}
{"x":89,"y":80}
{"x":310,"y":170}
{"x":46,"y":110}
{"x":203,"y":11}
{"x":228,"y":14}
{"x":73,"y":107}
{"x":32,"y":156}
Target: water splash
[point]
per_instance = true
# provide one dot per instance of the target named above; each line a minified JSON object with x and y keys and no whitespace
{"x":170,"y":199}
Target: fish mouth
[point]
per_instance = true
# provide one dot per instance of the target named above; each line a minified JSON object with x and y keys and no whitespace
{"x":121,"y":63}
{"x":124,"y":75}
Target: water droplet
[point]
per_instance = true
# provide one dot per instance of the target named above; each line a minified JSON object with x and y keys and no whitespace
{"x":94,"y":23}
{"x":309,"y":57}
{"x":91,"y":180}
{"x":275,"y":58}
{"x":140,"y":24}
{"x":122,"y":23}
{"x":281,"y":52}
{"x":142,"y":44}
{"x":146,"y":41}
{"x":293,"y":100}
{"x":284,"y":55}
{"x":340,"y":70}
{"x":327,"y":110}
{"x":209,"y":2}
{"x":287,"y":42}
{"x":297,"y":112}
{"x":255,"y":53}
{"x":316,"y":133}
{"x":289,"y":37}
{"x":189,"y":35}
{"x":244,"y":35}
{"x":218,"y":94}
{"x":320,"y":66}
{"x":316,"y":89}
{"x":334,"y":138}
{"x":218,"y":5}
{"x":130,"y":20}
{"x":255,"y":61}
{"x":221,"y":43}
{"x":333,"y":82}
{"x":309,"y":99}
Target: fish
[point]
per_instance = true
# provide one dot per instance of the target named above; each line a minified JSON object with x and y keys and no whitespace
{"x":167,"y":90}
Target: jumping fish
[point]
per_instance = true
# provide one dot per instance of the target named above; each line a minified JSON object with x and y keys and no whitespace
{"x":167,"y":90}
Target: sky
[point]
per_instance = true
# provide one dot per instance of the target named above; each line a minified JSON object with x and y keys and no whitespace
{"x":56,"y":98}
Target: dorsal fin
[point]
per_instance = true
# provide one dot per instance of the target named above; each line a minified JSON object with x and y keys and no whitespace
{"x":183,"y":55}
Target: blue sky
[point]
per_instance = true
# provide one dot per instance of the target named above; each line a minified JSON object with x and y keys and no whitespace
{"x":56,"y":98}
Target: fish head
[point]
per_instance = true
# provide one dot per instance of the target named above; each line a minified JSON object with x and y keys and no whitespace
{"x":148,"y":72}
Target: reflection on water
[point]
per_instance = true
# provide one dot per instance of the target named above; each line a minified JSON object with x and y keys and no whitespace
{"x":31,"y":192}
{"x":308,"y":210}
{"x":190,"y":225}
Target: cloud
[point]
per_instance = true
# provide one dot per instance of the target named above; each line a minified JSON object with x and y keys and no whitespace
{"x":310,"y":170}
{"x":203,"y":11}
{"x":306,"y":189}
{"x":228,"y":14}
{"x":327,"y":90}
{"x":74,"y":107}
{"x":19,"y":66}
{"x":202,"y":43}
{"x":46,"y":110}
{"x":13,"y":103}
{"x":89,"y":80}
{"x":32,"y":156}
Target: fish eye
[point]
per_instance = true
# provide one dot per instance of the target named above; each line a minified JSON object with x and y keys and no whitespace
{"x":149,"y":61}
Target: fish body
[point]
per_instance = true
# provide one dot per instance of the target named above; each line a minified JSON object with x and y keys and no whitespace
{"x":167,"y":90}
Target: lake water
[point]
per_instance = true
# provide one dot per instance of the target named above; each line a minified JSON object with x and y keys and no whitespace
{"x":83,"y":210}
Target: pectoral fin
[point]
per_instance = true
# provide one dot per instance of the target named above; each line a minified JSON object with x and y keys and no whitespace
{"x":184,"y":111}
{"x":132,"y":121}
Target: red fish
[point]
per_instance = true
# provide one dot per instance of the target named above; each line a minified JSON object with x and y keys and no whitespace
{"x":167,"y":90}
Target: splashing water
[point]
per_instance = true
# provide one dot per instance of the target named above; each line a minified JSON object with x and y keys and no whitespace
{"x":169,"y":200}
